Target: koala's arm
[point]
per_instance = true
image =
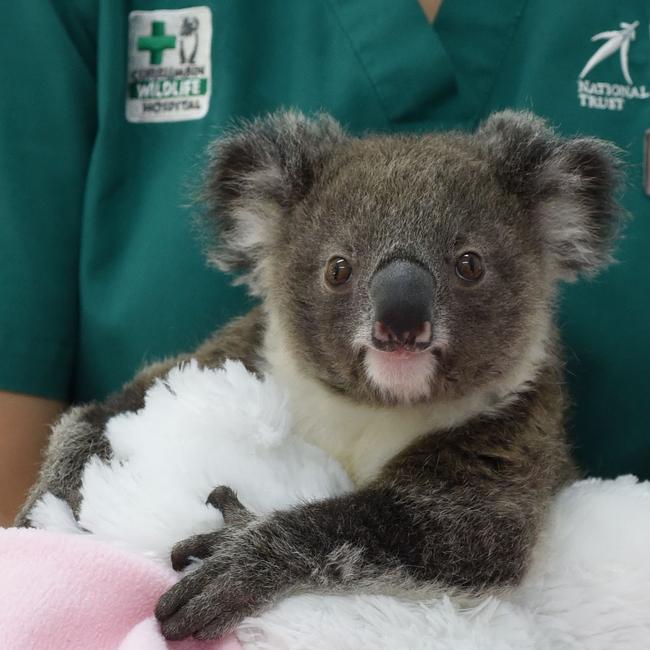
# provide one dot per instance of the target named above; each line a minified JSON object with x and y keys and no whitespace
{"x":79,"y":434}
{"x":458,"y":510}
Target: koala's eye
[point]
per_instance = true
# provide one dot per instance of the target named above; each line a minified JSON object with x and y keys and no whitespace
{"x":338,"y":271}
{"x":469,"y":267}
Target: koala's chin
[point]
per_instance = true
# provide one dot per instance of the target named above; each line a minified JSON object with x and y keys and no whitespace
{"x":400,"y":376}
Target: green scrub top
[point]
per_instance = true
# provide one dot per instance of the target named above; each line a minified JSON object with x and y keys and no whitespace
{"x":106,"y":110}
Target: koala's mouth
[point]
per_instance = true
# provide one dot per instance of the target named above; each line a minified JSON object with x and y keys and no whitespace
{"x":400,"y":374}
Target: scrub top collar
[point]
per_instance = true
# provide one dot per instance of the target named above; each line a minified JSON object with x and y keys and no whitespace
{"x":419,"y":70}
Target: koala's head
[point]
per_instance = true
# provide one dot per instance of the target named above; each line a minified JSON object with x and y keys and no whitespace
{"x":411,"y":268}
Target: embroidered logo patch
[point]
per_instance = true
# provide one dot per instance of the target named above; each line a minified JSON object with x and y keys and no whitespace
{"x":168,"y":74}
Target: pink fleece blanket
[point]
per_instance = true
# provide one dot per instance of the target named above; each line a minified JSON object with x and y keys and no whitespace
{"x":72,"y":591}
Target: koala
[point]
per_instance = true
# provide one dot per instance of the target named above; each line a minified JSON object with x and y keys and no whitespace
{"x":407,"y":287}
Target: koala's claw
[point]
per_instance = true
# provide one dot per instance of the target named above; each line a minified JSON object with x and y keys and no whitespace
{"x":198,"y":546}
{"x":235,"y":516}
{"x":225,"y":499}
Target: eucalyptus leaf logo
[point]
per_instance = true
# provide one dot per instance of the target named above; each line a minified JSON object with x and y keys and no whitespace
{"x":610,"y":95}
{"x":617,"y":41}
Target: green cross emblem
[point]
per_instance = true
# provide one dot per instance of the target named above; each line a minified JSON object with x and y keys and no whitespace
{"x":157,"y":43}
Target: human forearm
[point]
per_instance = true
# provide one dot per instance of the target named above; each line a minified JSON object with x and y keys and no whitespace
{"x":24,"y":428}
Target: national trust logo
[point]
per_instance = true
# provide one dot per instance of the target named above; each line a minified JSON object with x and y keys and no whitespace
{"x":611,"y":95}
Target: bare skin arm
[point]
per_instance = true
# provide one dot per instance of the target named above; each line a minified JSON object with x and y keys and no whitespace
{"x":25,"y":423}
{"x":430,"y":8}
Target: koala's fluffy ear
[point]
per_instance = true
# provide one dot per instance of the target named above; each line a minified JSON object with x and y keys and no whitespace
{"x":257,"y":173}
{"x":570,"y":184}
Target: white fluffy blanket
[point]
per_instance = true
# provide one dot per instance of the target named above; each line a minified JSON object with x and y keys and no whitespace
{"x":588,"y":587}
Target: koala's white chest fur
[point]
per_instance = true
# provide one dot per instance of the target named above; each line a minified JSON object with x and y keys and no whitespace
{"x":362,"y":438}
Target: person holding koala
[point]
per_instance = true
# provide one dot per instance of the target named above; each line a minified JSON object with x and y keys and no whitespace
{"x":110,"y":295}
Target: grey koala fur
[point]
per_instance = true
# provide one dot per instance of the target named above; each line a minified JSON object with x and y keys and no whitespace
{"x":455,"y":461}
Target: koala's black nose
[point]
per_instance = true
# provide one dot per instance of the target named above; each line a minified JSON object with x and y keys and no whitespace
{"x":402,"y":297}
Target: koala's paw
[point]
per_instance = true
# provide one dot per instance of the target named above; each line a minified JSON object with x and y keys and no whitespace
{"x":208,"y":603}
{"x":237,"y":579}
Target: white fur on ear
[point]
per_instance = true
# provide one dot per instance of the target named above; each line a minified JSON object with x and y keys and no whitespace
{"x":253,"y":222}
{"x":570,"y":236}
{"x":257,"y":173}
{"x":252,"y":215}
{"x":570,"y":183}
{"x":580,"y":215}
